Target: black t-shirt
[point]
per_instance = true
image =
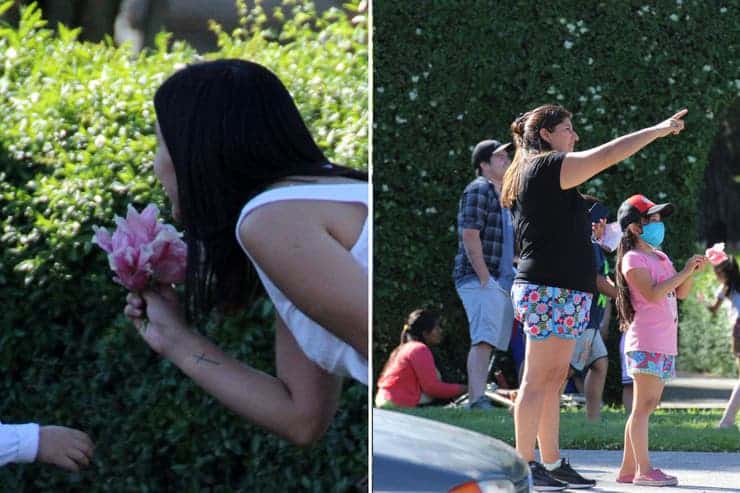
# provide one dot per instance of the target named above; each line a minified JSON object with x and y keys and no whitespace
{"x":552,"y":229}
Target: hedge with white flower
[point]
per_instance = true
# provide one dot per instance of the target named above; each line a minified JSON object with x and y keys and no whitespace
{"x":618,"y":66}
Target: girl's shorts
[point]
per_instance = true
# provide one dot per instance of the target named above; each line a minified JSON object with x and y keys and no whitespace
{"x":547,"y":310}
{"x":660,"y":365}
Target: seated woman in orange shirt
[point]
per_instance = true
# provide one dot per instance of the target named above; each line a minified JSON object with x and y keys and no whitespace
{"x":410,"y":377}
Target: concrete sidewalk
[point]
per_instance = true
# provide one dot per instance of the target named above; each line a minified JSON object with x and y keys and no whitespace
{"x":696,"y":471}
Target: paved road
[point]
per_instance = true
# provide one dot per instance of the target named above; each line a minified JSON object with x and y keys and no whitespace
{"x":697,"y":472}
{"x":690,"y":390}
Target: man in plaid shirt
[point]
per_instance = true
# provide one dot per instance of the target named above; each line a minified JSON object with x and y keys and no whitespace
{"x":484,"y":264}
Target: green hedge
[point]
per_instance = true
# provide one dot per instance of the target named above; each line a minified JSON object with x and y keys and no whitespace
{"x":449,"y":74}
{"x":76,"y":146}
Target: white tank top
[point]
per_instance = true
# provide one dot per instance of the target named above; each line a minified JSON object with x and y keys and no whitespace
{"x":318,"y":344}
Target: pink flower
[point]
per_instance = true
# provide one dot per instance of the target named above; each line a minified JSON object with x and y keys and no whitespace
{"x":716,"y":253}
{"x":534,"y":296}
{"x":142,"y":249}
{"x":570,"y":321}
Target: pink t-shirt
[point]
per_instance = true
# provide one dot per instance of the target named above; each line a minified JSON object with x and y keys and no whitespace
{"x":655,"y":326}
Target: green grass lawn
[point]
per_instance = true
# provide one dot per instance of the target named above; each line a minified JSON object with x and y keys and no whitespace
{"x":688,"y":430}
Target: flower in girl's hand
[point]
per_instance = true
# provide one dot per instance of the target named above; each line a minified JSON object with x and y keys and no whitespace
{"x":716,"y":253}
{"x":143,"y":250}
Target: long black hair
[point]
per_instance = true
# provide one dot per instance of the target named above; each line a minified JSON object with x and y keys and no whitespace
{"x":417,"y":324}
{"x":232,"y":129}
{"x":625,"y":310}
{"x":730,"y":270}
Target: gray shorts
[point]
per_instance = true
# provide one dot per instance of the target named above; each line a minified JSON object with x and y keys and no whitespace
{"x":589,"y":348}
{"x":490,"y":312}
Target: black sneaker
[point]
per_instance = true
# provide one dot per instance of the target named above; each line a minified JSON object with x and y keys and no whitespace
{"x":566,"y":473}
{"x":542,"y":480}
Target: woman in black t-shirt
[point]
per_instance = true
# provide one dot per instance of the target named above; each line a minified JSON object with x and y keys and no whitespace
{"x":556,"y":279}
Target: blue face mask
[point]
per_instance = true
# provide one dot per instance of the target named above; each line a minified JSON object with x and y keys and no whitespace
{"x":653,"y":234}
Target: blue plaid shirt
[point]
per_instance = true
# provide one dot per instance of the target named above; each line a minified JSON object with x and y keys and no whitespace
{"x":479,"y":209}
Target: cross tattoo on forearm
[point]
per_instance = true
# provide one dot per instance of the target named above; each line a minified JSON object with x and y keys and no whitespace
{"x":202,"y":357}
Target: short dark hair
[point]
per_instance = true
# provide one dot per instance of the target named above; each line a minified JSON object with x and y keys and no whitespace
{"x":232,"y":129}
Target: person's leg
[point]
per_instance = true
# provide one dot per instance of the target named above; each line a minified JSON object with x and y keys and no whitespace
{"x":648,"y":389}
{"x":594,"y":388}
{"x":478,"y":358}
{"x":733,"y":405}
{"x":728,"y":418}
{"x":548,"y":429}
{"x":545,"y":362}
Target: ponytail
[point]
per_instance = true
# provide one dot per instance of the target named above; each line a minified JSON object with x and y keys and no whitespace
{"x":625,"y":310}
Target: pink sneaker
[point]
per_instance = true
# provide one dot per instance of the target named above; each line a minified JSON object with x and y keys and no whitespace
{"x":625,"y":478}
{"x":656,"y":477}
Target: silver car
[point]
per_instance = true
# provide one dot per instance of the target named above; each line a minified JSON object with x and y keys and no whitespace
{"x":412,"y":454}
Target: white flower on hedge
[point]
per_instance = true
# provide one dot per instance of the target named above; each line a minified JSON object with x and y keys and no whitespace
{"x":430,"y":210}
{"x":418,"y":31}
{"x":661,"y":167}
{"x":380,"y":89}
{"x":662,"y":195}
{"x":588,"y":128}
{"x":433,"y":104}
{"x":582,"y":99}
{"x":568,"y":44}
{"x":691,"y":159}
{"x":451,"y":153}
{"x":590,"y":61}
{"x":571,"y":27}
{"x":600,"y":110}
{"x":34,"y":97}
{"x":415,"y":79}
{"x":11,"y":54}
{"x":452,"y":229}
{"x":423,"y":173}
{"x":674,"y":17}
{"x":559,"y":97}
{"x":413,"y":95}
{"x":723,"y":10}
{"x":400,"y":120}
{"x":552,"y":90}
{"x":597,"y":97}
{"x":671,"y":80}
{"x":710,"y":115}
{"x":460,"y":116}
{"x":384,"y":187}
{"x":340,"y":67}
{"x":707,"y":68}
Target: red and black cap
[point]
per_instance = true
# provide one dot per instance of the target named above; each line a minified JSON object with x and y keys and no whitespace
{"x":638,"y":206}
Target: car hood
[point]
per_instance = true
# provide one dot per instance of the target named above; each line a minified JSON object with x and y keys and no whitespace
{"x":410,"y":452}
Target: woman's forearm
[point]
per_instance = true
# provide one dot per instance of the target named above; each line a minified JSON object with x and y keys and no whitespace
{"x":581,"y":166}
{"x":256,"y":396}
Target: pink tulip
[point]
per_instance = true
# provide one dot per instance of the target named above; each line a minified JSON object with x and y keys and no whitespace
{"x":142,"y":249}
{"x":716,"y":253}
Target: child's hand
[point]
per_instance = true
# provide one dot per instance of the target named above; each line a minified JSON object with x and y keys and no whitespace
{"x":695,"y":263}
{"x":64,"y":447}
{"x":158,"y":316}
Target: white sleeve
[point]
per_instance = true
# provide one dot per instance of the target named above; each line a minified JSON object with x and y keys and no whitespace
{"x":18,"y":443}
{"x":719,"y":293}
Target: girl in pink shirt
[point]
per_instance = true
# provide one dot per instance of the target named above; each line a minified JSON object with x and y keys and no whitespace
{"x":648,"y":286}
{"x":410,"y":377}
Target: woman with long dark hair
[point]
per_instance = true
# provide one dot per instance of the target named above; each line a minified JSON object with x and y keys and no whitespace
{"x":410,"y":377}
{"x":258,"y":199}
{"x":556,"y":276}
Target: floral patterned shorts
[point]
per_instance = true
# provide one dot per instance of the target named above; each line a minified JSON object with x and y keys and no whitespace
{"x":547,"y":310}
{"x":660,"y":365}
